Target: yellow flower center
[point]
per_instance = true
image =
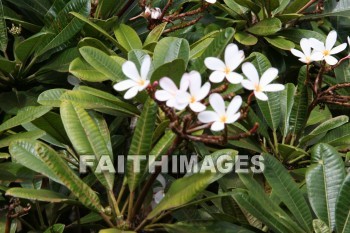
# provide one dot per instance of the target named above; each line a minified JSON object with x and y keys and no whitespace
{"x":227,"y":70}
{"x":326,"y":52}
{"x":258,"y":88}
{"x":308,"y":59}
{"x":192,"y":100}
{"x":141,"y":82}
{"x":223,"y":119}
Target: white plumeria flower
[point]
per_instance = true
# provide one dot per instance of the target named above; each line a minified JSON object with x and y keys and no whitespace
{"x":306,"y":55}
{"x":220,"y":116}
{"x":137,"y":81}
{"x":259,"y":86}
{"x":197,"y":91}
{"x":326,"y":49}
{"x":349,"y":42}
{"x":211,"y":1}
{"x":174,"y":97}
{"x":156,"y":13}
{"x":233,"y":58}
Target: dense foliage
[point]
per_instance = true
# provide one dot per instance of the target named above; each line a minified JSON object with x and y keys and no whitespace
{"x":117,"y":80}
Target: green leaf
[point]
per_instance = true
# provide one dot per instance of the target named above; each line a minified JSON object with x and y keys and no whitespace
{"x":215,"y":49}
{"x":323,"y":181}
{"x":100,"y":30}
{"x":320,"y":226}
{"x":102,"y":63}
{"x":52,"y":162}
{"x":7,"y":66}
{"x":245,"y":38}
{"x":25,"y":115}
{"x":339,"y":136}
{"x":271,"y":109}
{"x":174,"y":70}
{"x":325,"y":127}
{"x":127,"y":37}
{"x":141,"y":141}
{"x":250,"y":5}
{"x":186,"y":189}
{"x":3,"y":30}
{"x":87,"y":137}
{"x":37,"y":195}
{"x":170,"y":49}
{"x":287,"y":190}
{"x":61,"y":62}
{"x":51,"y":97}
{"x":63,"y":25}
{"x":296,"y":35}
{"x":298,"y":116}
{"x":56,"y":228}
{"x":266,"y":27}
{"x":287,"y":100}
{"x":280,"y":42}
{"x":27,"y":47}
{"x":154,"y":35}
{"x":333,"y":8}
{"x":295,"y":6}
{"x":82,"y":70}
{"x":342,"y":210}
{"x":205,"y":227}
{"x":98,"y":44}
{"x":5,"y":142}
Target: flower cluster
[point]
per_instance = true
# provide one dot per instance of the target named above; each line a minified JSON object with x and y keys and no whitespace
{"x":192,"y":94}
{"x":315,"y":50}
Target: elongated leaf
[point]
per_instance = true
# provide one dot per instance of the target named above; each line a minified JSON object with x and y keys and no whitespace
{"x":205,"y":227}
{"x":280,"y":43}
{"x":61,"y":62}
{"x":170,"y":49}
{"x":127,"y":37}
{"x":325,"y":127}
{"x":27,"y":47}
{"x":287,"y":100}
{"x":174,"y":69}
{"x":323,"y":180}
{"x":271,"y":109}
{"x":339,"y":136}
{"x":295,"y":6}
{"x":82,"y":70}
{"x":4,"y":142}
{"x":246,"y":38}
{"x":141,"y":141}
{"x":99,"y":29}
{"x":215,"y":49}
{"x":51,"y":97}
{"x":287,"y":190}
{"x":37,"y":195}
{"x":25,"y":115}
{"x":87,"y":138}
{"x":320,"y":226}
{"x":63,"y":25}
{"x":3,"y":30}
{"x":155,"y":34}
{"x":266,"y":27}
{"x":7,"y":65}
{"x":57,"y":228}
{"x":102,"y":63}
{"x":342,"y":210}
{"x":186,"y":189}
{"x":53,"y":163}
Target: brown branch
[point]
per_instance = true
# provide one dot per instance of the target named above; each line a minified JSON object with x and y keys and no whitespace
{"x":307,"y":5}
{"x":181,"y":26}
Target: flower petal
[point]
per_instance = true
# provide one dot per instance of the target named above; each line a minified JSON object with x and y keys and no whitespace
{"x":317,"y":45}
{"x":249,"y":85}
{"x":317,"y":56}
{"x":211,"y":1}
{"x":217,"y":77}
{"x":208,"y":116}
{"x":268,"y":76}
{"x":273,"y":87}
{"x":124,"y":85}
{"x":184,"y":84}
{"x":180,"y":106}
{"x":131,"y":93}
{"x":195,"y":80}
{"x":162,"y":95}
{"x":233,"y":118}
{"x":130,"y":70}
{"x":143,"y":87}
{"x":260,"y":95}
{"x":234,"y":106}
{"x":214,"y":63}
{"x":145,"y":67}
{"x":305,"y":46}
{"x":197,"y":107}
{"x":168,"y":85}
{"x":297,"y":53}
{"x":217,"y":103}
{"x":339,"y":48}
{"x":331,"y":60}
{"x":233,"y":56}
{"x":234,"y":78}
{"x":217,"y":126}
{"x":331,"y":39}
{"x":250,"y":72}
{"x":203,"y":92}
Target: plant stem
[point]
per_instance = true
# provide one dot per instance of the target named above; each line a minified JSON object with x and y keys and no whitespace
{"x":41,"y":219}
{"x":131,"y":206}
{"x":115,"y":206}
